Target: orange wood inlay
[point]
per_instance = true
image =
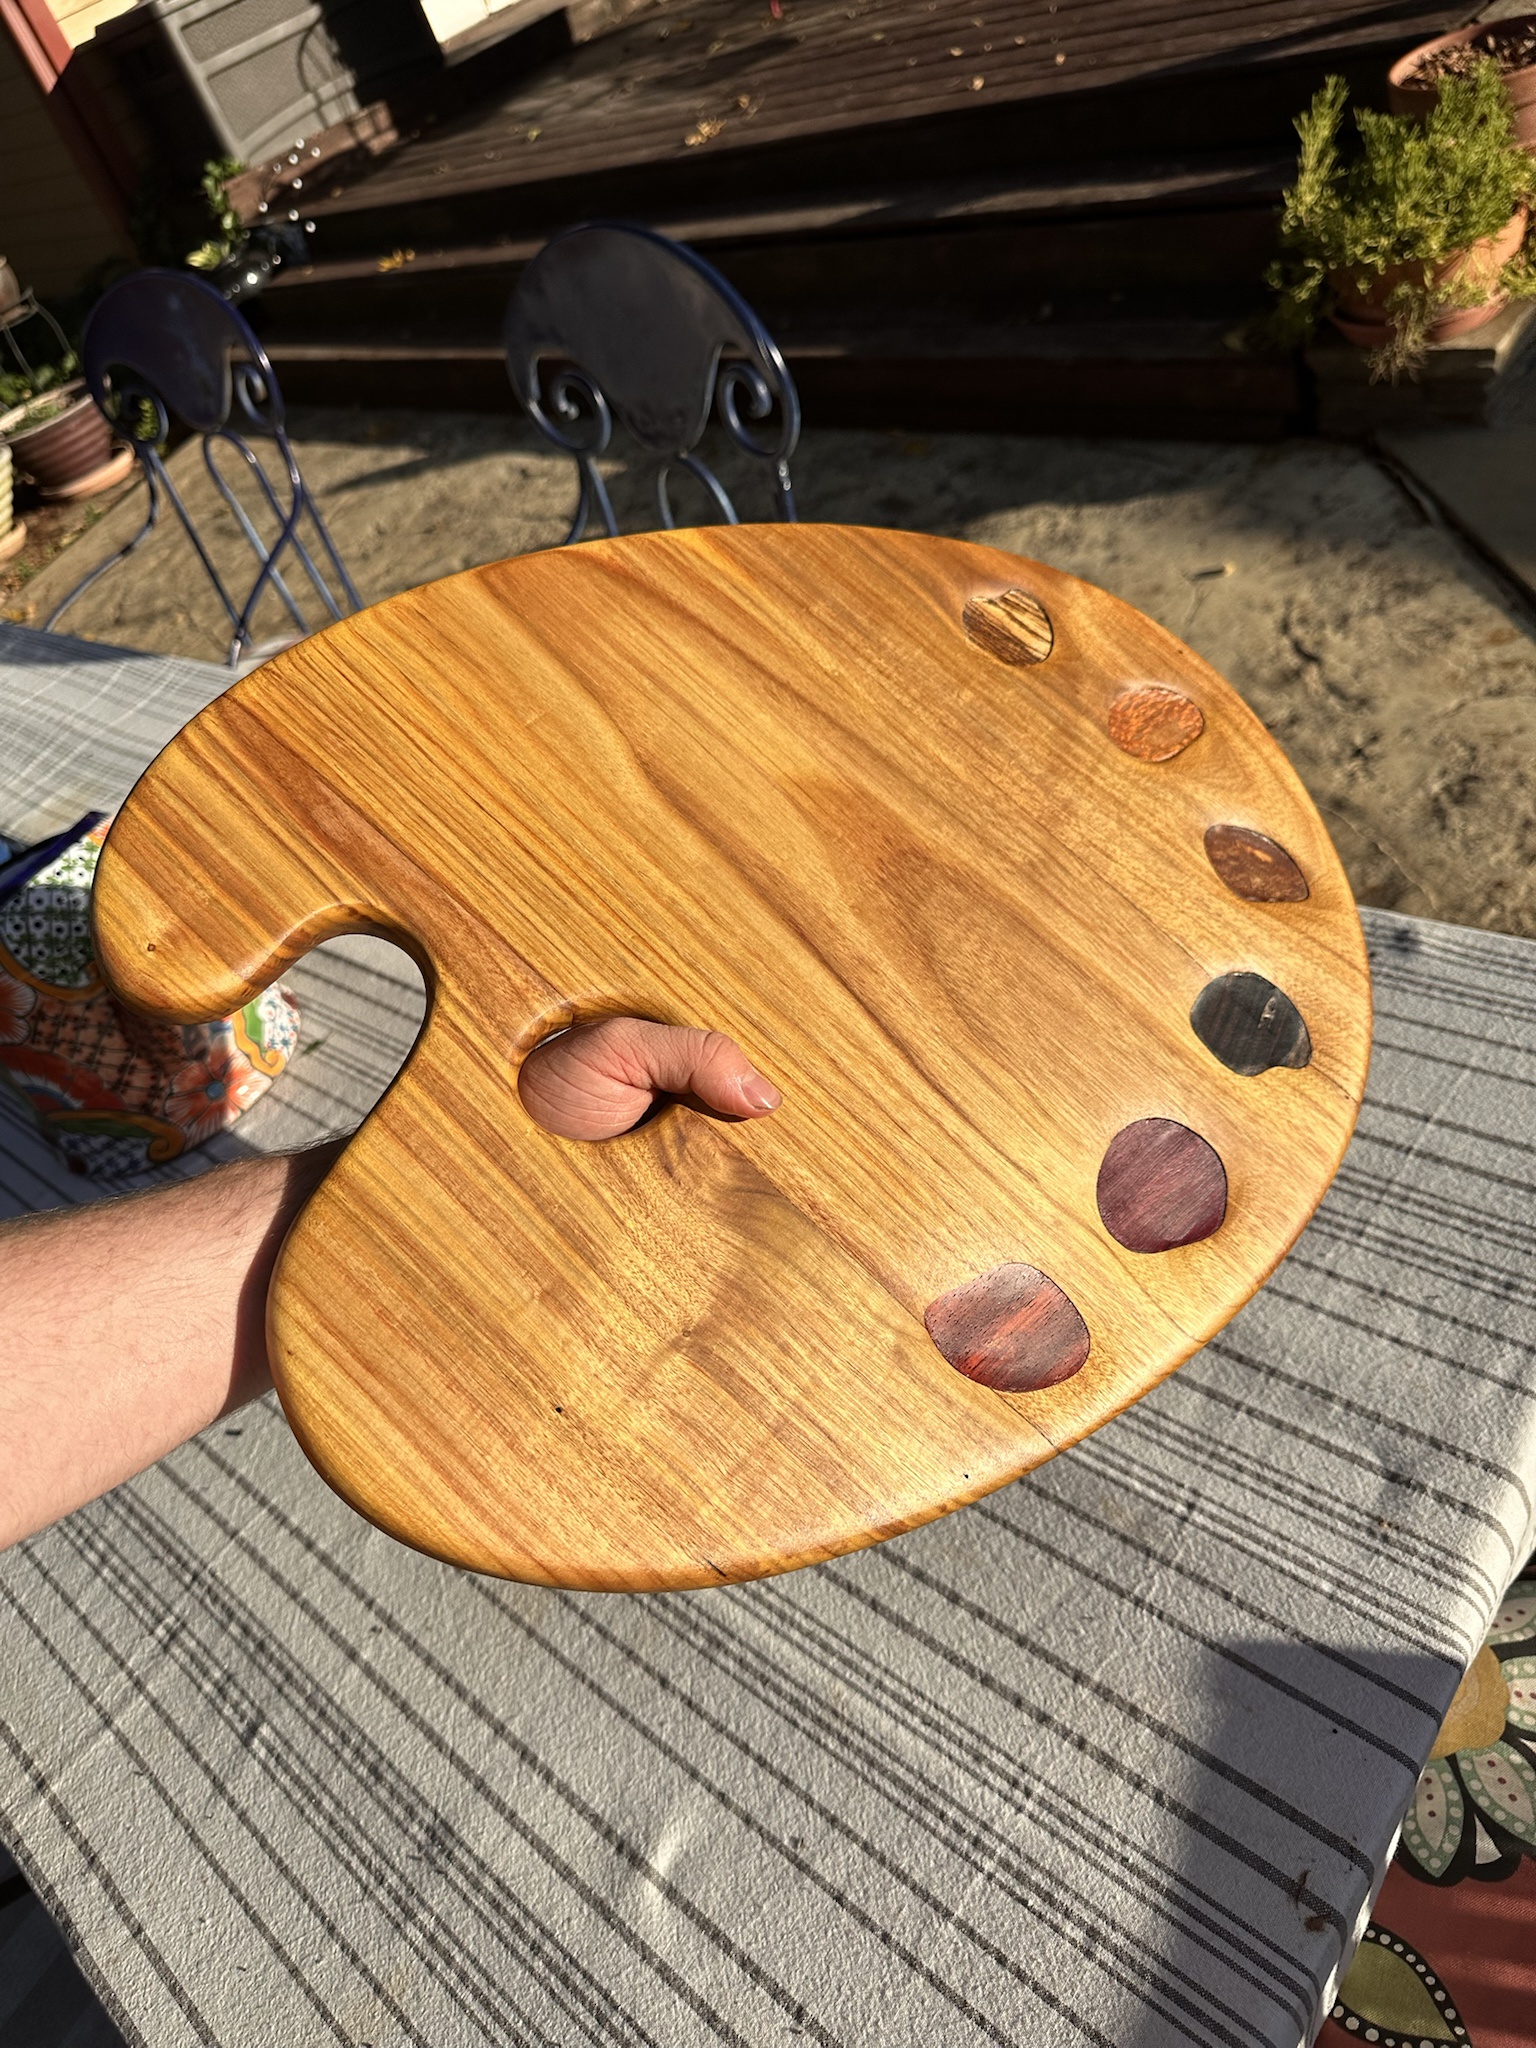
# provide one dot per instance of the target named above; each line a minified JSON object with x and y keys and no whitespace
{"x":761,"y":779}
{"x":1153,"y":722}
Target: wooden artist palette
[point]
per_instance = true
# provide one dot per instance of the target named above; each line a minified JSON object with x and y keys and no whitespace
{"x":1011,"y":895}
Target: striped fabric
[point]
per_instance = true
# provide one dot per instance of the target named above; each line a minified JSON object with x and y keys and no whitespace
{"x":1114,"y":1756}
{"x":79,"y":722}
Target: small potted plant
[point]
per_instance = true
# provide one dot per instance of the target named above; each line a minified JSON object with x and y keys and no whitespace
{"x":57,"y":434}
{"x":1413,"y":83}
{"x":239,"y":261}
{"x":1414,"y":235}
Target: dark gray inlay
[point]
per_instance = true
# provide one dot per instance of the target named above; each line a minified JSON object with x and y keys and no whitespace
{"x":1250,"y":1024}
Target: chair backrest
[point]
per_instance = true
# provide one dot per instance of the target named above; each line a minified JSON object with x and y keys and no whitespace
{"x":612,"y":321}
{"x":163,"y":345}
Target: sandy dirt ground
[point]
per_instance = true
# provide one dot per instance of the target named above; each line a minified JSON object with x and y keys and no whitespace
{"x":1399,"y":675}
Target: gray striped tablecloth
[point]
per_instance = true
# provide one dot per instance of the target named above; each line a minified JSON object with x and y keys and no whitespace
{"x":79,"y":722}
{"x":1114,"y":1756}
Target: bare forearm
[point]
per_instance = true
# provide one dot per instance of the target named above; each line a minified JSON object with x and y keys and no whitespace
{"x":126,"y":1328}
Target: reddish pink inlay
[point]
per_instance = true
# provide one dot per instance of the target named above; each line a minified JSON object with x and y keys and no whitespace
{"x":1012,"y":1329}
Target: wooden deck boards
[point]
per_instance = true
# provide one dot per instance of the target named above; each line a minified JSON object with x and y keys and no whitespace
{"x":705,"y":78}
{"x":1063,"y":246}
{"x":1082,"y":193}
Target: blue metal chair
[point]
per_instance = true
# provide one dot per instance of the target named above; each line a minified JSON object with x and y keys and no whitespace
{"x":613,"y":321}
{"x":164,"y":345}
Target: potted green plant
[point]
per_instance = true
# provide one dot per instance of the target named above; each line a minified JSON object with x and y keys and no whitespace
{"x":239,"y":261}
{"x":1413,"y":83}
{"x":57,"y":434}
{"x":1416,"y":233}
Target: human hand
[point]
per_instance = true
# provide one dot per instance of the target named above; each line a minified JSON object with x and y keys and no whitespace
{"x":99,"y":1379}
{"x":600,"y":1079}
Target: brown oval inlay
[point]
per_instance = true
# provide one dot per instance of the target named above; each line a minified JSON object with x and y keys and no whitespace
{"x":1013,"y":625}
{"x":1154,"y":722}
{"x":1161,"y":1185}
{"x":1250,"y":1024}
{"x":1012,"y":1329}
{"x":1253,"y":866}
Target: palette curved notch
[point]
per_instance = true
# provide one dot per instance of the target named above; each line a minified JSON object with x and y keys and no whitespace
{"x":761,"y":779}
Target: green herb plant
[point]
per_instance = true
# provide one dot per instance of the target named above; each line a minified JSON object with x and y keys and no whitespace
{"x":17,"y":388}
{"x":229,"y":238}
{"x":1399,"y":205}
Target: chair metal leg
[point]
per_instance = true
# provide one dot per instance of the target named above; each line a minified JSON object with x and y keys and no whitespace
{"x":706,"y":477}
{"x":288,"y":535}
{"x":301,"y":501}
{"x":152,"y":519}
{"x":242,"y":638}
{"x":331,"y":549}
{"x":263,"y":554}
{"x":160,"y":487}
{"x":594,"y":493}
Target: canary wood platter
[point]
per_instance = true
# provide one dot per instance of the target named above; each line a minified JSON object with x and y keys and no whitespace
{"x":1007,"y":890}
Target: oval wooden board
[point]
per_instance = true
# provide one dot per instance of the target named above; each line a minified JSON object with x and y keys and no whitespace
{"x":760,"y":779}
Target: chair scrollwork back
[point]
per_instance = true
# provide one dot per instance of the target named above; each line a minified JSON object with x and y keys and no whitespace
{"x":163,"y":345}
{"x":613,"y":321}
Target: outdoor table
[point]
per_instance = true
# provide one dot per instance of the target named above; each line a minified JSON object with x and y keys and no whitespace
{"x":1115,"y":1755}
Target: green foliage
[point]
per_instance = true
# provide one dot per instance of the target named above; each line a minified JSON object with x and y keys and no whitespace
{"x":229,"y":237}
{"x":1409,"y":196}
{"x":16,"y":388}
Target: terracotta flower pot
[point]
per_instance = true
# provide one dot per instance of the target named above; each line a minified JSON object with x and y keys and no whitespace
{"x":1407,"y":96}
{"x":70,"y":445}
{"x":1362,"y":317}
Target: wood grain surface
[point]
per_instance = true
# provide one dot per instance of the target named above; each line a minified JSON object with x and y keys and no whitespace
{"x":760,"y":779}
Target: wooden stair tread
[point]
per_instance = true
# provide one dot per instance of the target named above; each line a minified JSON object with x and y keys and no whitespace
{"x":806,"y":336}
{"x":1246,"y":178}
{"x":1163,"y":378}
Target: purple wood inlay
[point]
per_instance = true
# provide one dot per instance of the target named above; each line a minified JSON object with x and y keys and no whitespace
{"x":1012,"y":1329}
{"x":1161,"y":1185}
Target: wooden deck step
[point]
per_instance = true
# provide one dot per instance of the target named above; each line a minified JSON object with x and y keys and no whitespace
{"x":1222,"y":180}
{"x":1176,"y":237}
{"x":1165,"y":378}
